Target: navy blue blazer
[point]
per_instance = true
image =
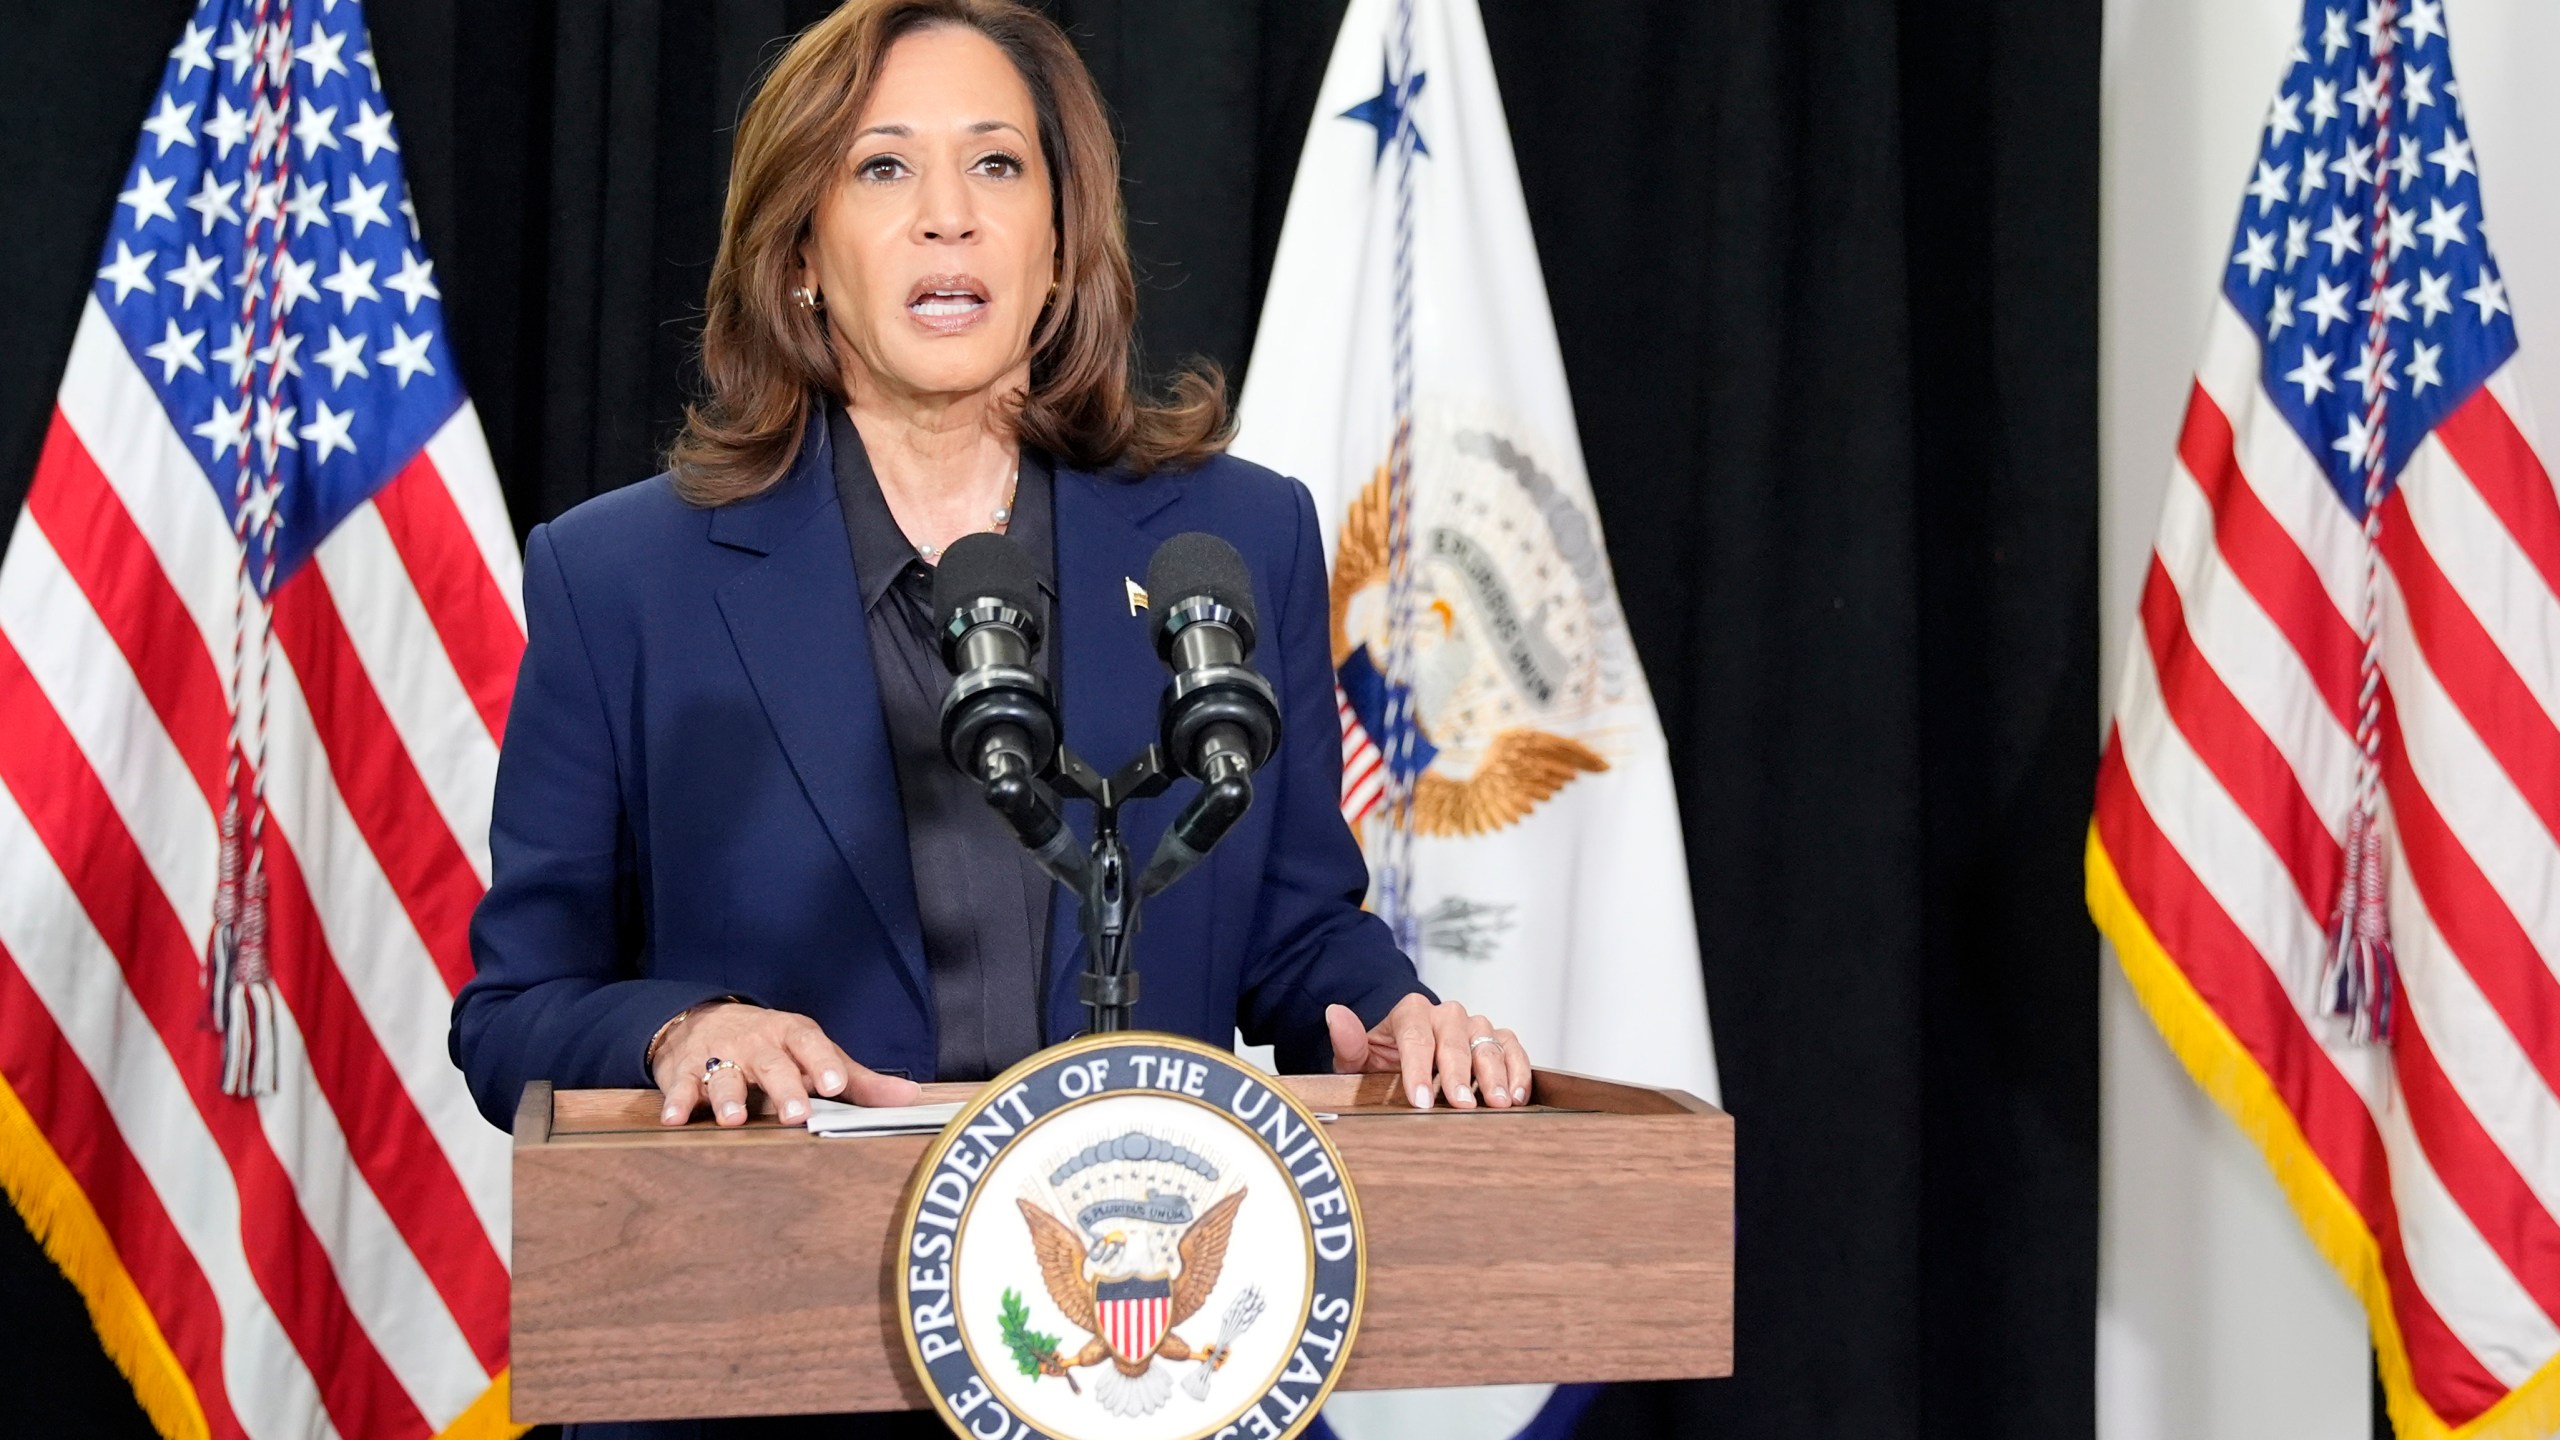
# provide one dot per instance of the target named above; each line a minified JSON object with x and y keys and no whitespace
{"x":696,"y":795}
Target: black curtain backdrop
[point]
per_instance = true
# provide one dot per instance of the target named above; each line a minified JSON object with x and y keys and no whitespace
{"x":1825,"y":277}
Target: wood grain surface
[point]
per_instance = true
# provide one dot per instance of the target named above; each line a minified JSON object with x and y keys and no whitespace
{"x":669,"y":1273}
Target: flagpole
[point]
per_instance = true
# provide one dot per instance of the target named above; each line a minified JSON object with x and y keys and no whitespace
{"x":1395,"y":868}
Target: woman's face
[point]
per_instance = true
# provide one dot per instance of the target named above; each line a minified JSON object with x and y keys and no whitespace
{"x":935,"y":250}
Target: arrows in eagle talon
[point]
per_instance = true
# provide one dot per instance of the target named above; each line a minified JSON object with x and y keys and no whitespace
{"x":1241,"y":1313}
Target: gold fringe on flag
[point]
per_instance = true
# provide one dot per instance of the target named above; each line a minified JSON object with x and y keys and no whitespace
{"x":66,"y":1224}
{"x":2225,"y":1070}
{"x":54,"y":1206}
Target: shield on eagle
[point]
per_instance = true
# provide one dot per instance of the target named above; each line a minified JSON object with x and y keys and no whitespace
{"x":1152,"y":1220}
{"x":1134,"y":1314}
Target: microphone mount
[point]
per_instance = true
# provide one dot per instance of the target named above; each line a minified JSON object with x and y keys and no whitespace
{"x":1105,"y":879}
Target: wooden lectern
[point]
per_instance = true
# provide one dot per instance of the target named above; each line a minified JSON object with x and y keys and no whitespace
{"x":666,"y":1274}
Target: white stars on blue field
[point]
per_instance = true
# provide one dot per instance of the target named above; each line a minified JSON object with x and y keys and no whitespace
{"x":315,"y":356}
{"x":2301,"y":255}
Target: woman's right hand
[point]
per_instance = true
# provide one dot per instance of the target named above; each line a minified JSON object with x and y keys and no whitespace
{"x":785,"y":1055}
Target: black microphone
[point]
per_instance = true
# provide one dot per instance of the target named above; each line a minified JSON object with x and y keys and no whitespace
{"x":1219,"y":718}
{"x":999,"y":724}
{"x":998,"y":720}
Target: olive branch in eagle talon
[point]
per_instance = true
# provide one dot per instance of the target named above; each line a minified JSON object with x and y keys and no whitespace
{"x":1034,"y":1354}
{"x":1062,"y":1268}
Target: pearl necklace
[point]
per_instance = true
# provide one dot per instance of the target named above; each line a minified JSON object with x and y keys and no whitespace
{"x":997,"y":519}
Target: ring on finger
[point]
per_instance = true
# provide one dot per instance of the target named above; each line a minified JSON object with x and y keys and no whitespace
{"x":1493,"y":1040}
{"x":713,"y":1066}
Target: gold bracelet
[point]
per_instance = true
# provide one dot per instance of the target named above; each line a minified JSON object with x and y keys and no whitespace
{"x":649,"y":1056}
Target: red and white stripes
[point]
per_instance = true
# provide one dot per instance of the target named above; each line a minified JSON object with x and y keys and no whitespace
{"x":1134,"y":1326}
{"x":1364,"y":769}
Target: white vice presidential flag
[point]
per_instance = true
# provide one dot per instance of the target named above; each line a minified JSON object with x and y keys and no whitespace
{"x":1544,"y":880}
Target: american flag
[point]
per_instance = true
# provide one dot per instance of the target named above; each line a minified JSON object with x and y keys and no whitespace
{"x":2350,"y":629}
{"x":259,"y":623}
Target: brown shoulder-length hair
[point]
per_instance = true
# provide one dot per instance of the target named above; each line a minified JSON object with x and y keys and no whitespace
{"x":764,"y":357}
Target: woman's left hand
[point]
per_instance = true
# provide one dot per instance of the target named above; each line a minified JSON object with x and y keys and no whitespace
{"x":1440,"y":1046}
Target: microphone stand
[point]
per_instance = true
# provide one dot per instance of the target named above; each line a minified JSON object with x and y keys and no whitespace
{"x":1107,"y":892}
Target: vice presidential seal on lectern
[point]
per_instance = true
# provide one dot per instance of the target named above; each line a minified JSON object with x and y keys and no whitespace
{"x":1131,"y":1236}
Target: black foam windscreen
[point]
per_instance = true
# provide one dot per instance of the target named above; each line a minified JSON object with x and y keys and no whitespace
{"x":984,"y":565}
{"x":1194,"y":564}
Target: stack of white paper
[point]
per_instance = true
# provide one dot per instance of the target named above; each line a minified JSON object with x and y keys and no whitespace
{"x":834,"y":1117}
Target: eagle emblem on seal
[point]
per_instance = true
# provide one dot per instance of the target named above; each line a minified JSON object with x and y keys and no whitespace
{"x":1481,"y":646}
{"x":1142,"y":1254}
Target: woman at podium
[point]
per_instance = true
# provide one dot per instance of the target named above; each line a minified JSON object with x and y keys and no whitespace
{"x":728,"y":855}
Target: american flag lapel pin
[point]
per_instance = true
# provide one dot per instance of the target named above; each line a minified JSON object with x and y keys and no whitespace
{"x":1137,"y":594}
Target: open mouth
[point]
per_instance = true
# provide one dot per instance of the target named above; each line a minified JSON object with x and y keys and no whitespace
{"x":947,"y":298}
